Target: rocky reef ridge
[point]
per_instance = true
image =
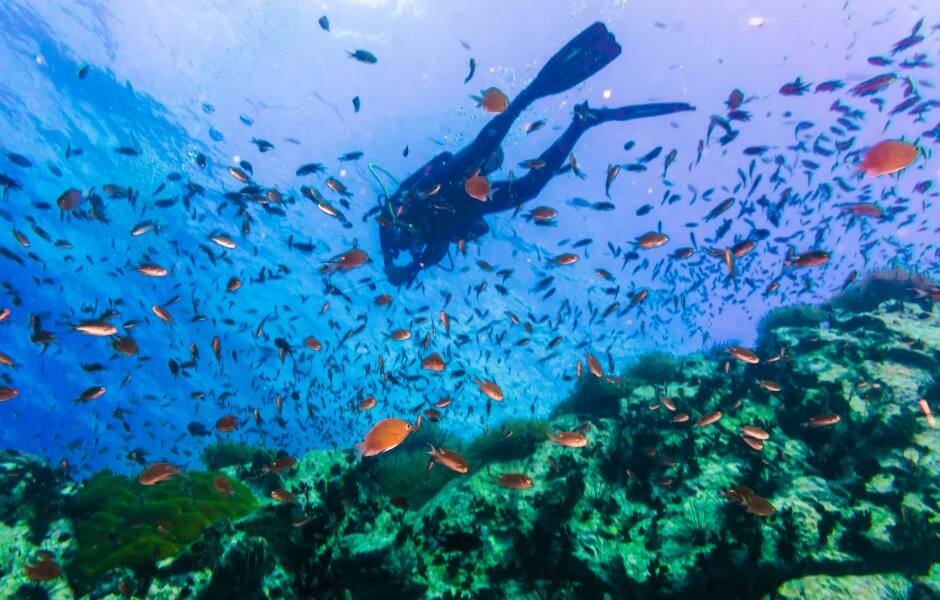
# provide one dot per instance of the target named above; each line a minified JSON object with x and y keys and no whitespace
{"x":824,"y":422}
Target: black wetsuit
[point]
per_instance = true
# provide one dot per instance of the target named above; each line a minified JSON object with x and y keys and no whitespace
{"x":432,"y":210}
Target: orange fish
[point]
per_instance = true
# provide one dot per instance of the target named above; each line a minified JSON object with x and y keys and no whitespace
{"x":888,"y":156}
{"x":312,"y":343}
{"x":760,"y":506}
{"x":743,"y":354}
{"x":543,"y":213}
{"x":612,"y":172}
{"x":157,"y":472}
{"x":777,"y":356}
{"x":400,"y":335}
{"x":386,"y":435}
{"x":863,"y":209}
{"x":383,"y":300}
{"x":653,"y":239}
{"x":151,"y":270}
{"x":639,"y":297}
{"x":729,"y":262}
{"x":223,"y":485}
{"x":282,"y":495}
{"x":491,"y":389}
{"x":347,"y":261}
{"x":238,"y":174}
{"x":565,"y":259}
{"x":769,"y":385}
{"x":925,"y":408}
{"x":367,"y":403}
{"x":755,"y":504}
{"x":708,"y":418}
{"x":445,"y":321}
{"x":44,"y":569}
{"x":233,"y":285}
{"x":162,"y":313}
{"x":514,"y":481}
{"x":337,"y":186}
{"x":448,"y":458}
{"x":594,"y":365}
{"x":813,"y":258}
{"x":680,"y":418}
{"x":477,"y":186}
{"x":753,"y":443}
{"x":742,"y":248}
{"x":223,"y":240}
{"x":569,"y":439}
{"x":492,"y":100}
{"x":96,"y":328}
{"x":668,"y":403}
{"x":92,"y":393}
{"x":433,"y":362}
{"x":227,"y":423}
{"x":822,"y":421}
{"x":755,"y":432}
{"x":282,"y":464}
{"x":8,"y":393}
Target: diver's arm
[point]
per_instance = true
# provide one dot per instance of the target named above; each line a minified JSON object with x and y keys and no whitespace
{"x":428,"y":168}
{"x":502,"y":197}
{"x":433,"y":252}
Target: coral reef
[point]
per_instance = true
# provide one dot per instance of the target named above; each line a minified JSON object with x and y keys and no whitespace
{"x":226,"y":453}
{"x":642,"y":511}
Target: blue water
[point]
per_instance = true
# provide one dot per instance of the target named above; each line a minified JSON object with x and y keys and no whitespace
{"x":175,"y":82}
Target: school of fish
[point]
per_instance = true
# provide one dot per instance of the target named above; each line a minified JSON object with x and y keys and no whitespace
{"x":363,"y":364}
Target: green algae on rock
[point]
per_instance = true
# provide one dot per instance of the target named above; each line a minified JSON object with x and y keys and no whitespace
{"x":121,"y":524}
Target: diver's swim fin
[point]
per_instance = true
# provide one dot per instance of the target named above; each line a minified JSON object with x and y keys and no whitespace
{"x":586,"y":54}
{"x":596,"y":116}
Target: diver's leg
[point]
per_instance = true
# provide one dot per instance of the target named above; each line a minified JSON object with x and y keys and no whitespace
{"x":505,"y":195}
{"x":586,"y":54}
{"x":596,"y":116}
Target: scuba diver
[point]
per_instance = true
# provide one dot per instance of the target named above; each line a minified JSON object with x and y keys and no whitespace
{"x":432,"y":208}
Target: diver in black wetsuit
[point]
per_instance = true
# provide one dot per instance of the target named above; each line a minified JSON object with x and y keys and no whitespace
{"x":431,"y":209}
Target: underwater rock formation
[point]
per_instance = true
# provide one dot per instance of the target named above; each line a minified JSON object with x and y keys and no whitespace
{"x":653,"y":506}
